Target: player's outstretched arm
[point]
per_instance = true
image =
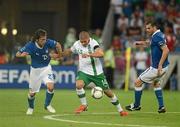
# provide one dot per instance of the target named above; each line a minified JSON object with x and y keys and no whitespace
{"x":23,"y":54}
{"x":97,"y":54}
{"x":142,"y":43}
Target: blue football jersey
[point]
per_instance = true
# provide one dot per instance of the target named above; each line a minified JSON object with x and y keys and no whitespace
{"x":39,"y":56}
{"x":157,"y":40}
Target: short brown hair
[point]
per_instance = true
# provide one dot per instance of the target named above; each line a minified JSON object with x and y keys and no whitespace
{"x":83,"y":35}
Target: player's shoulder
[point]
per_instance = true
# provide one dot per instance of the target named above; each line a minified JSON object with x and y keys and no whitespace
{"x":50,"y":41}
{"x":77,"y":43}
{"x":93,"y":41}
{"x":30,"y":44}
{"x":159,"y":36}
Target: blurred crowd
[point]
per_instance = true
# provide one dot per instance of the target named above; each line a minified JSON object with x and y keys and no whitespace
{"x":7,"y":56}
{"x":129,"y":18}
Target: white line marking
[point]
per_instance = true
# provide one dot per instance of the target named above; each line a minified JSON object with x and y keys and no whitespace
{"x":52,"y":117}
{"x":139,"y":113}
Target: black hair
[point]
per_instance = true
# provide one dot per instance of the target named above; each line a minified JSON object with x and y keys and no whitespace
{"x":153,"y":23}
{"x":38,"y":33}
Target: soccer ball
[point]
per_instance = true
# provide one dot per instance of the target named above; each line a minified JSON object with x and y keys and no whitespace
{"x":97,"y":92}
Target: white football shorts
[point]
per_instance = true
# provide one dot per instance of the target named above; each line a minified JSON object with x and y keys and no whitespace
{"x":150,"y":75}
{"x":39,"y":76}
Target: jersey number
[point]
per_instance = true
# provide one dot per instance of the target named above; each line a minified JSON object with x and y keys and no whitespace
{"x":45,"y":57}
{"x":50,"y":76}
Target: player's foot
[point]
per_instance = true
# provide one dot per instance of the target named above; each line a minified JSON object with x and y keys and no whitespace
{"x":50,"y":109}
{"x":123,"y":113}
{"x":131,"y":107}
{"x":81,"y":108}
{"x":162,"y":110}
{"x":29,"y":111}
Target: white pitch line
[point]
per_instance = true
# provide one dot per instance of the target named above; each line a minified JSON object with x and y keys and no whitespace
{"x":52,"y":117}
{"x":138,"y":113}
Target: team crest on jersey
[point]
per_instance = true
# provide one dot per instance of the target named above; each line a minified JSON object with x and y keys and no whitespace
{"x":46,"y":51}
{"x":37,"y":54}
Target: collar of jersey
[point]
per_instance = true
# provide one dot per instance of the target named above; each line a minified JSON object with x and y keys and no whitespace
{"x":156,"y":32}
{"x":38,"y":45}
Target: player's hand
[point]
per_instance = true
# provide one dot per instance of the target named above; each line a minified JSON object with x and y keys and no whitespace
{"x":24,"y":54}
{"x":85,"y":55}
{"x":159,"y":70}
{"x":137,"y":43}
{"x":54,"y":55}
{"x":59,"y":59}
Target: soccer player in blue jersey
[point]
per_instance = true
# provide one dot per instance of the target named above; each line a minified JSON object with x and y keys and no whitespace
{"x":158,"y":68}
{"x":41,"y":72}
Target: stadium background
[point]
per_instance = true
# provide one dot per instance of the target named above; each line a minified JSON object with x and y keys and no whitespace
{"x":64,"y":19}
{"x":118,"y":23}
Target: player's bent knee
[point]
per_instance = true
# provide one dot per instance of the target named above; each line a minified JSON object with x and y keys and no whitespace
{"x":50,"y":89}
{"x":157,"y":85}
{"x":31,"y":94}
{"x":50,"y":86}
{"x":138,"y":83}
{"x":79,"y":84}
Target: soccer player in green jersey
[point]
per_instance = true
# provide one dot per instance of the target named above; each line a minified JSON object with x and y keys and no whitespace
{"x":90,"y":70}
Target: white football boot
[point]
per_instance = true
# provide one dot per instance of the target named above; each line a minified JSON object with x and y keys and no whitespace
{"x":29,"y":111}
{"x":50,"y":109}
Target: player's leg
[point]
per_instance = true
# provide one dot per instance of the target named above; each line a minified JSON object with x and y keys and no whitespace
{"x":48,"y":79}
{"x":34,"y":86}
{"x":159,"y":96}
{"x":82,"y":96}
{"x":147,"y":77}
{"x":49,"y":96}
{"x":31,"y":98}
{"x":115,"y":101}
{"x":101,"y":81}
{"x":82,"y":80}
{"x":138,"y":92}
{"x":158,"y":90}
{"x":137,"y":96}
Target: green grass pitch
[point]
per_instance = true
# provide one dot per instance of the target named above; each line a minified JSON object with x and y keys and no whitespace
{"x":101,"y":113}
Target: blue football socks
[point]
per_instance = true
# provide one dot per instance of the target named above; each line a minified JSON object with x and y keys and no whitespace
{"x":31,"y":101}
{"x":159,"y":96}
{"x":49,"y":96}
{"x":138,"y":93}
